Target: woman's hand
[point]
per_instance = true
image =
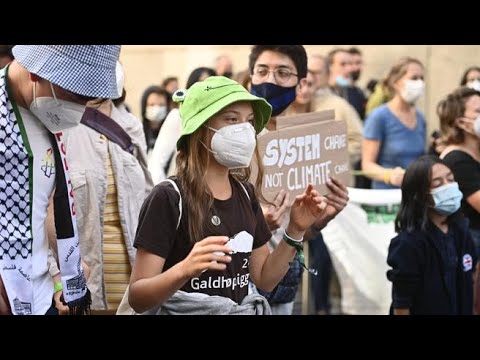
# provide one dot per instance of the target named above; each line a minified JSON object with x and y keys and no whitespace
{"x":207,"y":254}
{"x":336,"y":202}
{"x":61,"y":307}
{"x":305,"y":209}
{"x":396,"y":176}
{"x":273,"y":214}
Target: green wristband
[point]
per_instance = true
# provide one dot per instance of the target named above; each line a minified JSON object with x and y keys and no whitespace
{"x":57,"y":287}
{"x":298,"y":245}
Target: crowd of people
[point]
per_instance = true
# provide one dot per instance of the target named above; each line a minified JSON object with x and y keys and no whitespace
{"x":105,"y":213}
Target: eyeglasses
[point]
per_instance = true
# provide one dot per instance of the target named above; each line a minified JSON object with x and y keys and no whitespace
{"x":282,"y":75}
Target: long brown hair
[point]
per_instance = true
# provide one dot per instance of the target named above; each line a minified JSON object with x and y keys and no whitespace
{"x":192,"y":163}
{"x":450,"y":109}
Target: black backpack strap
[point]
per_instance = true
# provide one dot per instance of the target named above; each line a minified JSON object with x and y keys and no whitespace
{"x":105,"y":125}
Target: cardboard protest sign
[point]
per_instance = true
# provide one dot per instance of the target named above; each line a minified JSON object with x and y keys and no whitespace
{"x":307,"y":148}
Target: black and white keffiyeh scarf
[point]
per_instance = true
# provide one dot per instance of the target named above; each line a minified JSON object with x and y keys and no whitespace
{"x":16,"y":173}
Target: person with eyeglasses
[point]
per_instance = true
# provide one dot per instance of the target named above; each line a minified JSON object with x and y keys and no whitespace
{"x":277,"y":71}
{"x":326,"y":99}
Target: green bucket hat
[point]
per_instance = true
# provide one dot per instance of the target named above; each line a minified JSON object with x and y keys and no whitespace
{"x":206,"y":98}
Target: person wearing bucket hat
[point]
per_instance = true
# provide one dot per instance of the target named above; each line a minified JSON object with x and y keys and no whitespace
{"x":210,"y":237}
{"x":6,"y":55}
{"x":277,"y":71}
{"x":42,"y":93}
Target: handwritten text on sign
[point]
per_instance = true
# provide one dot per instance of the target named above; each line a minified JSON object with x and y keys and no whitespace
{"x":296,"y":156}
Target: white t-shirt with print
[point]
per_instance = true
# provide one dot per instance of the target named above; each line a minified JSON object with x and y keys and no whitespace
{"x":43,"y":185}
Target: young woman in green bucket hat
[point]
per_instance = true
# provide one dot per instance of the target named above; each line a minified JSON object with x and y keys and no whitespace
{"x":203,"y":233}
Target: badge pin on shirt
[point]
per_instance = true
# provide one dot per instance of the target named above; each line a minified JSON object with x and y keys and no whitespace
{"x":216,"y":220}
{"x":467,"y":262}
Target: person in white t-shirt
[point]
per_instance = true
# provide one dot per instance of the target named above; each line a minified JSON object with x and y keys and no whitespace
{"x":40,"y":93}
{"x":161,"y":162}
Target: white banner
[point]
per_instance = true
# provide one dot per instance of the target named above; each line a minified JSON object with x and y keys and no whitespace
{"x":358,"y":240}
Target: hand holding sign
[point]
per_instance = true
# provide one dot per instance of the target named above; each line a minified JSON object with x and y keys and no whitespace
{"x":305,"y":149}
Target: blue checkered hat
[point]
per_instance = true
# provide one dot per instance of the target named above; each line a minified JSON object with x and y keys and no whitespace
{"x":87,"y":70}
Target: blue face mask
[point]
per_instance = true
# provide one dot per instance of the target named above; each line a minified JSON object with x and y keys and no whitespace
{"x":447,"y":198}
{"x":278,"y":96}
{"x":342,"y":81}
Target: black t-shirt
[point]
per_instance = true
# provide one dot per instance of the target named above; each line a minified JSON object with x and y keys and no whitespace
{"x":240,"y":219}
{"x":355,"y":97}
{"x":466,"y":171}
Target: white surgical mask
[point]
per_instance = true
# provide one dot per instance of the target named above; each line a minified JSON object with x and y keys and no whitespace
{"x":56,"y":114}
{"x":120,"y":78}
{"x":476,"y":126}
{"x":475,"y":85}
{"x":233,"y":145}
{"x":412,"y":90}
{"x":156,"y":113}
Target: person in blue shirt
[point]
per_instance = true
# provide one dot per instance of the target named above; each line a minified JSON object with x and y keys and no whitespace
{"x":433,"y":257}
{"x":395,"y":133}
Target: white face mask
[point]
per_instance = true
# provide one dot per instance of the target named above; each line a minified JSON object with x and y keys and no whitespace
{"x":233,"y":145}
{"x":476,"y":126}
{"x":475,"y":85}
{"x":156,"y":113}
{"x":120,"y":78}
{"x":412,"y":90}
{"x":56,"y":114}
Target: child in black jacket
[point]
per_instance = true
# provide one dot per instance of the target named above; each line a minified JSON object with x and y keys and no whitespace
{"x":432,"y":258}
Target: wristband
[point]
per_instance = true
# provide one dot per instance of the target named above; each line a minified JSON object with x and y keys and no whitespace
{"x":285,"y":235}
{"x":57,"y":287}
{"x":298,"y":245}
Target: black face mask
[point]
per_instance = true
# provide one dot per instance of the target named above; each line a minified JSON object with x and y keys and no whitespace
{"x":228,"y":74}
{"x":355,"y":75}
{"x":277,"y":96}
